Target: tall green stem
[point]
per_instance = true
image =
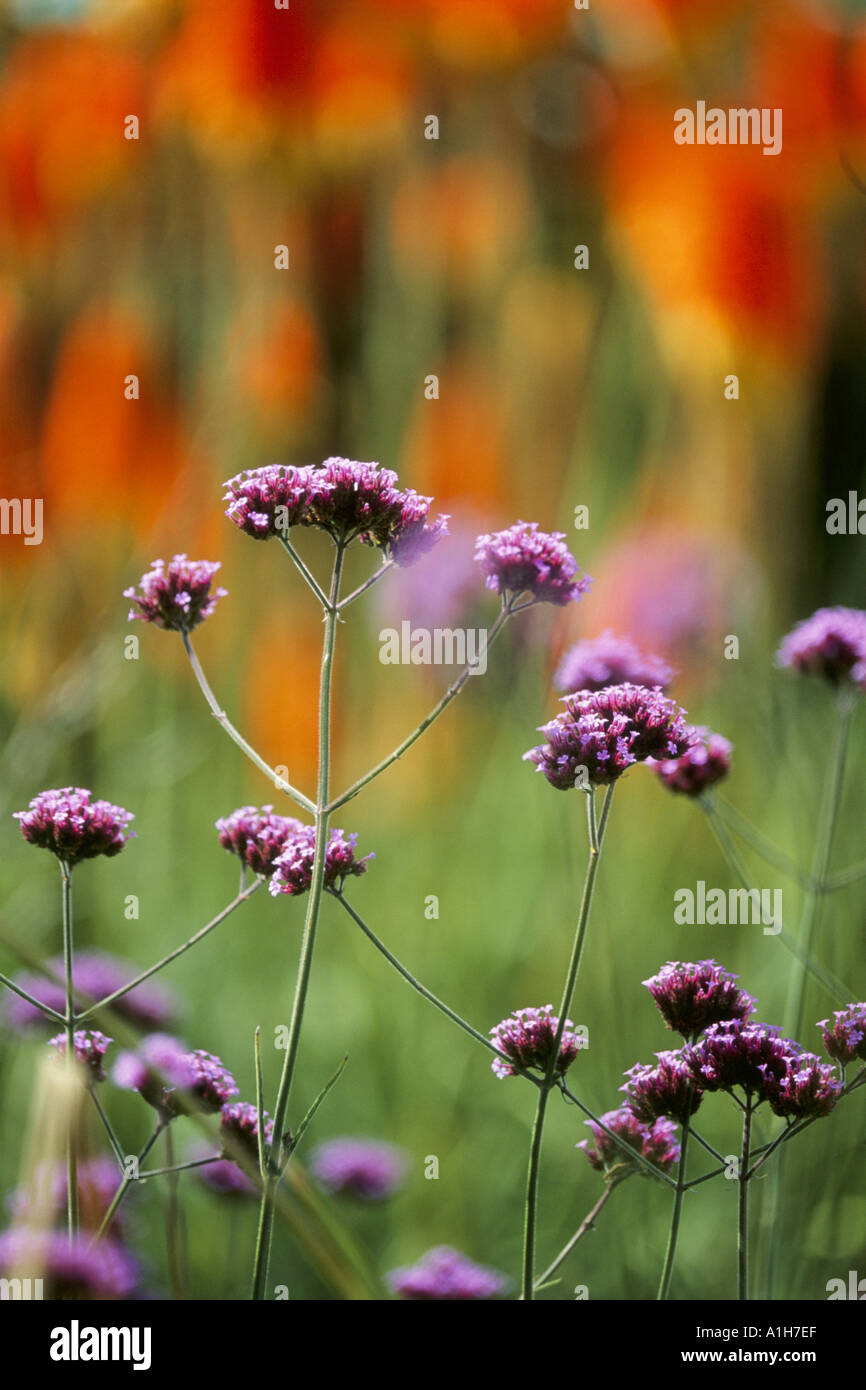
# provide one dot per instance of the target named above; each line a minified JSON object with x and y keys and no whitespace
{"x":274,"y":1163}
{"x":71,"y":1136}
{"x":596,"y":832}
{"x":743,"y":1206}
{"x":674,"y":1233}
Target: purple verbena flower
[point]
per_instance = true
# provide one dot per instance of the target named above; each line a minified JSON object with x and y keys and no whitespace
{"x":239,"y":1130}
{"x":411,"y":534}
{"x":845,"y":1040}
{"x":524,"y":560}
{"x":159,"y":1066}
{"x":600,"y":734}
{"x":225,"y":1178}
{"x":47,"y":1187}
{"x":691,"y":996}
{"x":90,"y":1050}
{"x":364,"y":1168}
{"x":211,"y":1086}
{"x":266,"y":502}
{"x":667,"y":1089}
{"x":527,"y":1037}
{"x":176,"y":597}
{"x":70,"y":1269}
{"x":73,"y":827}
{"x":809,"y":1087}
{"x":656,"y":1142}
{"x":258,"y":838}
{"x":831,"y":643}
{"x":752,"y":1056}
{"x":596,"y":662}
{"x":706,"y":761}
{"x":95,"y":975}
{"x":445,"y":1274}
{"x":293,"y":870}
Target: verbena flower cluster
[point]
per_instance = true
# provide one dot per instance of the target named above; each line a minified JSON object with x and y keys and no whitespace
{"x":600,"y":734}
{"x":293,"y":870}
{"x":257,"y":837}
{"x":69,"y":1269}
{"x":693,"y":995}
{"x":524,"y":560}
{"x":176,"y":596}
{"x":596,"y":662}
{"x":706,"y":761}
{"x":69,"y":824}
{"x":347,"y":499}
{"x":656,"y":1142}
{"x":445,"y":1274}
{"x":239,"y":1130}
{"x":831,"y":643}
{"x":845,"y":1038}
{"x":363,"y":1168}
{"x":90,"y":1050}
{"x":667,"y":1089}
{"x":527,"y":1037}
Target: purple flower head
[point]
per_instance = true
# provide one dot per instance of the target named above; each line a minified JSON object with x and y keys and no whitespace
{"x":832,"y":644}
{"x":667,"y":1089}
{"x":95,"y":975}
{"x":524,"y":560}
{"x":70,"y":1269}
{"x":265,"y":502}
{"x":753,"y":1056}
{"x":73,"y":827}
{"x":90,"y":1050}
{"x":225,"y":1178}
{"x":692,"y":996}
{"x":656,"y":1142}
{"x":97,"y":1184}
{"x":706,"y":761}
{"x":364,"y":1168}
{"x":845,"y":1040}
{"x":443,"y":1273}
{"x":809,"y":1087}
{"x":596,"y":662}
{"x":178,"y":596}
{"x":239,"y":1130}
{"x":411,"y":534}
{"x":527,"y":1037}
{"x":258,"y":838}
{"x":601,"y":733}
{"x":210,"y":1087}
{"x":158,"y":1067}
{"x":293,"y":870}
{"x":356,"y":500}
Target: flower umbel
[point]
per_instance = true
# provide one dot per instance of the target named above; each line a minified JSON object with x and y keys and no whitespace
{"x":239,"y":1129}
{"x":831,"y":643}
{"x":364,"y":1168}
{"x":845,"y":1038}
{"x":177,"y":596}
{"x":527,"y":1037}
{"x":692,"y":996}
{"x":752,"y":1056}
{"x":73,"y":826}
{"x":90,"y":1050}
{"x":667,"y":1089}
{"x":445,"y":1274}
{"x":809,"y":1087}
{"x":656,"y":1141}
{"x":600,"y":734}
{"x":524,"y":560}
{"x":293,"y":870}
{"x":596,"y":662}
{"x":706,"y":761}
{"x":258,"y":838}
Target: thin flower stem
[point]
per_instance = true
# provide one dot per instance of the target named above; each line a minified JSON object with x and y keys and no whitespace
{"x":452,"y":691}
{"x":709,"y":1148}
{"x":260,"y":1102}
{"x":172,"y":1224}
{"x":751,"y":835}
{"x":179,"y":1167}
{"x":273,"y":1157}
{"x":595,"y":832}
{"x":673,"y":1235}
{"x":107,"y":1126}
{"x":173,"y":955}
{"x":743,"y":1207}
{"x":304,"y":570}
{"x":633,"y":1154}
{"x":834,"y":987}
{"x":826,"y":827}
{"x":279,"y":782}
{"x":71,"y":1136}
{"x":368,"y":584}
{"x":127,"y":1183}
{"x":422,"y":989}
{"x":22,"y":994}
{"x":586,"y":1225}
